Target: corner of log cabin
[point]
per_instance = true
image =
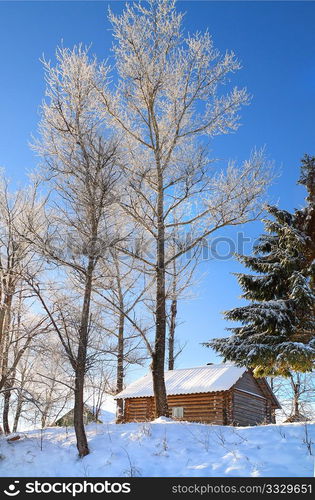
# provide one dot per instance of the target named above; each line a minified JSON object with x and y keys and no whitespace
{"x":250,"y":404}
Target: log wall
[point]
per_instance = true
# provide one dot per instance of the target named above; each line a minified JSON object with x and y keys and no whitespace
{"x":248,"y":383}
{"x":250,"y":405}
{"x":249,"y":409}
{"x":139,"y":409}
{"x":207,"y":408}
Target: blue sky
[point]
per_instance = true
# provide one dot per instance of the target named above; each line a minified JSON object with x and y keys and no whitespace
{"x":275,"y":42}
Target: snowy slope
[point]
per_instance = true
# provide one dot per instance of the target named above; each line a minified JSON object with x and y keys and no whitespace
{"x":163,"y":448}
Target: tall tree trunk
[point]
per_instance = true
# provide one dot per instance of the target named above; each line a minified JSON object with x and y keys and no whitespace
{"x":3,"y":316}
{"x":120,"y":365}
{"x":296,"y":399}
{"x":48,"y":399}
{"x":44,"y":416}
{"x":78,"y":418}
{"x":5,"y":320}
{"x":5,"y":368}
{"x":296,"y":406}
{"x":121,"y":344}
{"x":296,"y":395}
{"x":5,"y":384}
{"x":158,"y":357}
{"x":18,"y":412}
{"x":80,"y":365}
{"x":6,"y":408}
{"x":16,"y":325}
{"x":171,"y":335}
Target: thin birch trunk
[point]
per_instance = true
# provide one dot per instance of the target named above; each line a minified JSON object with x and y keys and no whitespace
{"x":158,"y":357}
{"x":171,"y":335}
{"x":120,"y":365}
{"x":80,"y":367}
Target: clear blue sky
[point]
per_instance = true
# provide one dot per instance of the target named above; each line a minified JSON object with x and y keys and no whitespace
{"x":275,"y":42}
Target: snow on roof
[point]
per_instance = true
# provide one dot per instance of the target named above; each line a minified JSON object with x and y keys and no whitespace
{"x":209,"y":378}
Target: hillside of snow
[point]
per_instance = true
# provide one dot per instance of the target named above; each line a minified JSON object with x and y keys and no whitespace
{"x":163,"y":448}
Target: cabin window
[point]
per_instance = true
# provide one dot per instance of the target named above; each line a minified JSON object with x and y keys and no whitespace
{"x":177,"y":412}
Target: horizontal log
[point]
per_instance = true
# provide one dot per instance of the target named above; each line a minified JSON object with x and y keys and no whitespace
{"x":196,"y":405}
{"x":254,"y":416}
{"x":137,"y":408}
{"x":134,"y":407}
{"x":241,"y":419}
{"x":137,"y":400}
{"x":249,"y":388}
{"x":255,"y":397}
{"x":243,"y":414}
{"x":207,"y":395}
{"x":190,"y":403}
{"x":244,"y":406}
{"x":138,"y":405}
{"x":250,"y":399}
{"x":208,"y":401}
{"x":248,"y":402}
{"x":206,"y":407}
{"x":202,"y":413}
{"x":197,"y":396}
{"x":243,"y":409}
{"x":247,"y":382}
{"x":204,"y":419}
{"x":259,"y":418}
{"x":212,"y":393}
{"x":137,"y":413}
{"x":204,"y":410}
{"x":248,"y":416}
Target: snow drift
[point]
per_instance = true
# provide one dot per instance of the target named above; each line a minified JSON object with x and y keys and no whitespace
{"x":163,"y":448}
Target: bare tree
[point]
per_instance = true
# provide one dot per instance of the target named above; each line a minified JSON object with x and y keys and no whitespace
{"x":80,"y":167}
{"x":122,"y":286}
{"x":98,"y":387}
{"x":167,"y":103}
{"x":181,"y":279}
{"x":23,"y":376}
{"x":51,"y":383}
{"x":18,"y":325}
{"x":20,"y":340}
{"x":297,"y":396}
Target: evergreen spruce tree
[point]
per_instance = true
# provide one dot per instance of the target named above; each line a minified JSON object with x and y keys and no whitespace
{"x":277,"y":332}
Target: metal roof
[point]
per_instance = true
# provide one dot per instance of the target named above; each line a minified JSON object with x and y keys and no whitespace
{"x":209,"y":378}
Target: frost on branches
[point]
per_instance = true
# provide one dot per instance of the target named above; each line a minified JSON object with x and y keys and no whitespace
{"x":277,"y":328}
{"x":166,"y":103}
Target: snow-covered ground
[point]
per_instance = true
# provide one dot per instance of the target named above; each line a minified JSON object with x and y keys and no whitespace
{"x":163,"y":448}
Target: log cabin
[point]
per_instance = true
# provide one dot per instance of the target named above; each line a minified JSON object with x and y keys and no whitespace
{"x":222,"y":394}
{"x":65,"y":419}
